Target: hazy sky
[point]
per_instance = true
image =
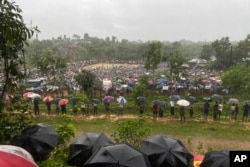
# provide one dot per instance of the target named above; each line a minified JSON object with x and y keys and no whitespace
{"x":164,"y":20}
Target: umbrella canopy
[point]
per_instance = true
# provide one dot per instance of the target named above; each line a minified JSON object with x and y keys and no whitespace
{"x":216,"y":159}
{"x":63,"y":101}
{"x":198,"y":158}
{"x":84,"y":147}
{"x":247,"y":102}
{"x":15,"y":156}
{"x":160,"y":103}
{"x":183,"y":102}
{"x":96,"y":100}
{"x":57,"y":99}
{"x":166,"y":151}
{"x":207,"y":99}
{"x":31,"y":95}
{"x":233,"y":100}
{"x":39,"y":140}
{"x":175,"y":98}
{"x":48,"y":99}
{"x":119,"y":155}
{"x":191,"y":99}
{"x":217,"y":97}
{"x":108,"y":99}
{"x":119,"y":99}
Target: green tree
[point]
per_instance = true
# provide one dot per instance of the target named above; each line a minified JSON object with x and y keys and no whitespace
{"x":86,"y":79}
{"x":207,"y":52}
{"x":237,"y":79}
{"x":223,"y":53}
{"x":152,"y":56}
{"x":13,"y":37}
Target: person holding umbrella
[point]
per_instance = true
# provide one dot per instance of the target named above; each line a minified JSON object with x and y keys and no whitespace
{"x":245,"y":112}
{"x":182,"y":113}
{"x":155,"y":111}
{"x":36,"y":106}
{"x":206,"y":109}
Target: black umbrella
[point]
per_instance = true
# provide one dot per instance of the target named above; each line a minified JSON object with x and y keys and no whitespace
{"x":96,"y":100}
{"x":119,"y":155}
{"x":207,"y":99}
{"x":39,"y":140}
{"x":191,"y":99}
{"x":217,"y":97}
{"x":175,"y":98}
{"x":216,"y":159}
{"x":166,"y":151}
{"x":141,"y":100}
{"x":85,"y":146}
{"x":160,"y":103}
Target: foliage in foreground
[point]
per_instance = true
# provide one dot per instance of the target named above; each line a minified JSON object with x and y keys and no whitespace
{"x":131,"y":131}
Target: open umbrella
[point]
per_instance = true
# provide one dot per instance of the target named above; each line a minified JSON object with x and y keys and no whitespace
{"x":141,"y":100}
{"x":160,"y":103}
{"x":14,"y":156}
{"x":25,"y":95}
{"x":95,"y":100}
{"x":207,"y":99}
{"x":108,"y":99}
{"x":216,"y":159}
{"x":217,"y":97}
{"x":118,"y":155}
{"x":198,"y":158}
{"x":31,"y":95}
{"x":233,"y":100}
{"x":48,"y":99}
{"x":166,"y":151}
{"x":191,"y":99}
{"x":81,"y":150}
{"x":183,"y":102}
{"x":247,"y":102}
{"x":175,"y":98}
{"x":39,"y":140}
{"x":120,"y":98}
{"x":63,"y":101}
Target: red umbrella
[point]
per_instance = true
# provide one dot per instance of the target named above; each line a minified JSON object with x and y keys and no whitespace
{"x":15,"y":156}
{"x":47,"y":99}
{"x":198,"y":158}
{"x":63,"y":102}
{"x":27,"y":94}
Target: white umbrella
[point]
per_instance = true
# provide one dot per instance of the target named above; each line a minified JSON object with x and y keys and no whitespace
{"x":34,"y":95}
{"x":120,"y":98}
{"x":234,"y":100}
{"x":183,"y":102}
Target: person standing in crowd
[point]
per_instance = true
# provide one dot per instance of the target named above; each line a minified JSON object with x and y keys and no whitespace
{"x":191,"y":110}
{"x":95,"y":108}
{"x":172,"y":108}
{"x":236,"y":111}
{"x":63,"y":108}
{"x":142,"y":109}
{"x":155,"y":111}
{"x":232,"y":110}
{"x":215,"y":110}
{"x":245,"y":112}
{"x":121,"y":106}
{"x":220,"y":109}
{"x":48,"y":105}
{"x":206,"y":109}
{"x":182,"y":114}
{"x":36,"y":106}
{"x":83,"y":109}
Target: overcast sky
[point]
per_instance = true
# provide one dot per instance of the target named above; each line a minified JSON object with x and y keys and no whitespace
{"x":164,"y":20}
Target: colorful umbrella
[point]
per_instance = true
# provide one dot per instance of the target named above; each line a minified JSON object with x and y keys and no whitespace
{"x":183,"y":102}
{"x":15,"y":156}
{"x":198,"y":158}
{"x":63,"y":102}
{"x":48,"y":99}
{"x":25,"y":95}
{"x":108,"y":99}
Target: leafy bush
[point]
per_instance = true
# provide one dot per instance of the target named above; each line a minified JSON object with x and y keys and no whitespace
{"x":131,"y":131}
